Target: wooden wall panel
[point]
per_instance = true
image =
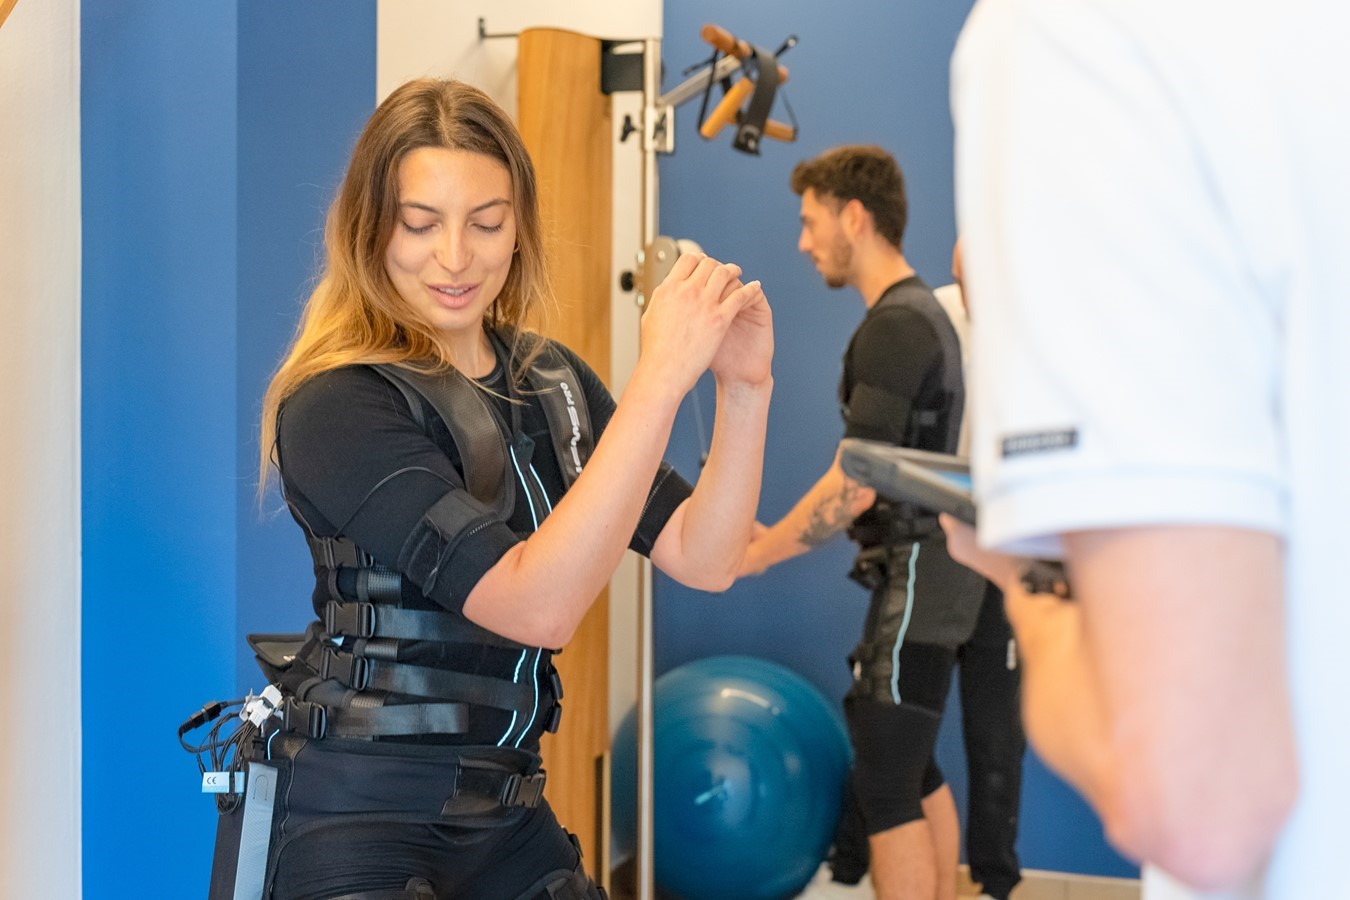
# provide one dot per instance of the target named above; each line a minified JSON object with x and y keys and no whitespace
{"x":565,"y":121}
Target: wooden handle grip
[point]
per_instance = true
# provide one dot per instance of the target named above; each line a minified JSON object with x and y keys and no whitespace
{"x":779,"y":131}
{"x":725,"y":112}
{"x":725,"y":41}
{"x":729,"y":44}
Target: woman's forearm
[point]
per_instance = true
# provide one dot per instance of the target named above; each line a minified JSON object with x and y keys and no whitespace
{"x":540,"y":590}
{"x":703,"y":544}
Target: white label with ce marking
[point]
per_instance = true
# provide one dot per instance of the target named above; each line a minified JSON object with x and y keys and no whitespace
{"x":219,"y":783}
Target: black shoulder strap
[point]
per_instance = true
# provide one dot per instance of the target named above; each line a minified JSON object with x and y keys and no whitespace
{"x":569,"y":418}
{"x":554,"y":380}
{"x":953,"y":380}
{"x":474,"y":428}
{"x":472,"y":425}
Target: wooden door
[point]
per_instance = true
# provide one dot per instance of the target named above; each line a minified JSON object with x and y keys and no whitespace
{"x":565,"y":121}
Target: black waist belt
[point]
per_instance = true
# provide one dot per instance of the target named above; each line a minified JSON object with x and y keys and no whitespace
{"x":315,"y":720}
{"x":333,"y":780}
{"x":362,"y":673}
{"x":383,"y":620}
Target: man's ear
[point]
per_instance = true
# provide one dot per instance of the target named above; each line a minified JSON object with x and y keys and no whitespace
{"x":854,"y":218}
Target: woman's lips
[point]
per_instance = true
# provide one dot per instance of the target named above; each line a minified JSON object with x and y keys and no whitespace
{"x":453,"y":296}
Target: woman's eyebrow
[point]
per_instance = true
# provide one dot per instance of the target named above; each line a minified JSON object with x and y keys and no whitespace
{"x":499,"y":201}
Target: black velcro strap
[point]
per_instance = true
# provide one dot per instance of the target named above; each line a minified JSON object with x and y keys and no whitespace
{"x":382,"y":621}
{"x":379,"y":584}
{"x":876,"y":410}
{"x":507,"y":788}
{"x":410,"y":719}
{"x":433,"y":541}
{"x":362,"y":674}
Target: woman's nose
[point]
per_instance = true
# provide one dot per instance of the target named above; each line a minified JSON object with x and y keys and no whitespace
{"x":453,"y":251}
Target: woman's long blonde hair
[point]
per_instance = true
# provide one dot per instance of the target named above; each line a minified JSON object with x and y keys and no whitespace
{"x":354,"y":314}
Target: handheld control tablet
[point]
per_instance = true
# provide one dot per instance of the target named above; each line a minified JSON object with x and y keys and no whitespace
{"x":938,"y":482}
{"x":935,"y":481}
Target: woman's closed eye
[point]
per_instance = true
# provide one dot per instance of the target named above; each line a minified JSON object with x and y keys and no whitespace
{"x":418,"y":229}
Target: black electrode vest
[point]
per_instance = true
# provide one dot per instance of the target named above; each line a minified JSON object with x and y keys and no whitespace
{"x":338,"y":675}
{"x":893,"y":537}
{"x":934,"y":424}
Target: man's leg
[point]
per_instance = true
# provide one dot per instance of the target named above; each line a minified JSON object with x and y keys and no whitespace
{"x":919,"y":859}
{"x":994,"y":742}
{"x":904,"y":863}
{"x":851,"y":858}
{"x":894,"y":773}
{"x":939,"y":811}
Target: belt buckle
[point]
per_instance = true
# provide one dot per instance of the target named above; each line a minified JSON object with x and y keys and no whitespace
{"x":350,"y":670}
{"x":309,"y":719}
{"x":355,"y":620}
{"x":523,"y":790}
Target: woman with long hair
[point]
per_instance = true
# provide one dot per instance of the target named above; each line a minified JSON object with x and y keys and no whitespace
{"x":467,"y":489}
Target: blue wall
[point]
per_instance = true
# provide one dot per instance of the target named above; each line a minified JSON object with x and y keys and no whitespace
{"x":211,"y":137}
{"x":865,"y":71}
{"x":159,"y":435}
{"x":306,"y":86}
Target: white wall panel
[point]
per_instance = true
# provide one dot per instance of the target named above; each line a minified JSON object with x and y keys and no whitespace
{"x":40,"y":450}
{"x":435,"y":37}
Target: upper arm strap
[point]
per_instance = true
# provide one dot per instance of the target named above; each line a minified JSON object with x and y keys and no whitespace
{"x":952,"y":376}
{"x":430,"y":549}
{"x":472,"y":425}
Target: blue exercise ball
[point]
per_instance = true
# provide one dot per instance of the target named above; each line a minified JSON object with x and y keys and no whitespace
{"x":750,"y":765}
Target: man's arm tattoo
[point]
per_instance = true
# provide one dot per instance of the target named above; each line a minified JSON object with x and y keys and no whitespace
{"x":830,"y":516}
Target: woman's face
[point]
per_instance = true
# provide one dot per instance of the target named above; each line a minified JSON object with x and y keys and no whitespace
{"x":454,"y":240}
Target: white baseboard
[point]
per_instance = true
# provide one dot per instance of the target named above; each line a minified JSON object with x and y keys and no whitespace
{"x":1041,"y":885}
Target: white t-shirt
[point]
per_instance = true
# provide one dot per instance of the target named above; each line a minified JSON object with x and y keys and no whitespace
{"x":949,"y":298}
{"x":1154,"y":197}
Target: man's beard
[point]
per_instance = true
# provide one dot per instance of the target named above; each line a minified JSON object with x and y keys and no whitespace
{"x":839,"y":263}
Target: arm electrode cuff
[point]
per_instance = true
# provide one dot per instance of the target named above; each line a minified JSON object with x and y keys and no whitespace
{"x":452,"y":546}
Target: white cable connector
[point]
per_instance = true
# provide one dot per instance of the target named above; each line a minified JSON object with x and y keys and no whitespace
{"x":261,"y":707}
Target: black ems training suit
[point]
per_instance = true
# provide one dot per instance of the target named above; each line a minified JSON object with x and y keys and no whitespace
{"x":902,"y":383}
{"x":409,"y":757}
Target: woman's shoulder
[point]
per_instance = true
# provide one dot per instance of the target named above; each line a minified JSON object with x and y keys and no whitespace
{"x":342,"y":391}
{"x":358,"y":377}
